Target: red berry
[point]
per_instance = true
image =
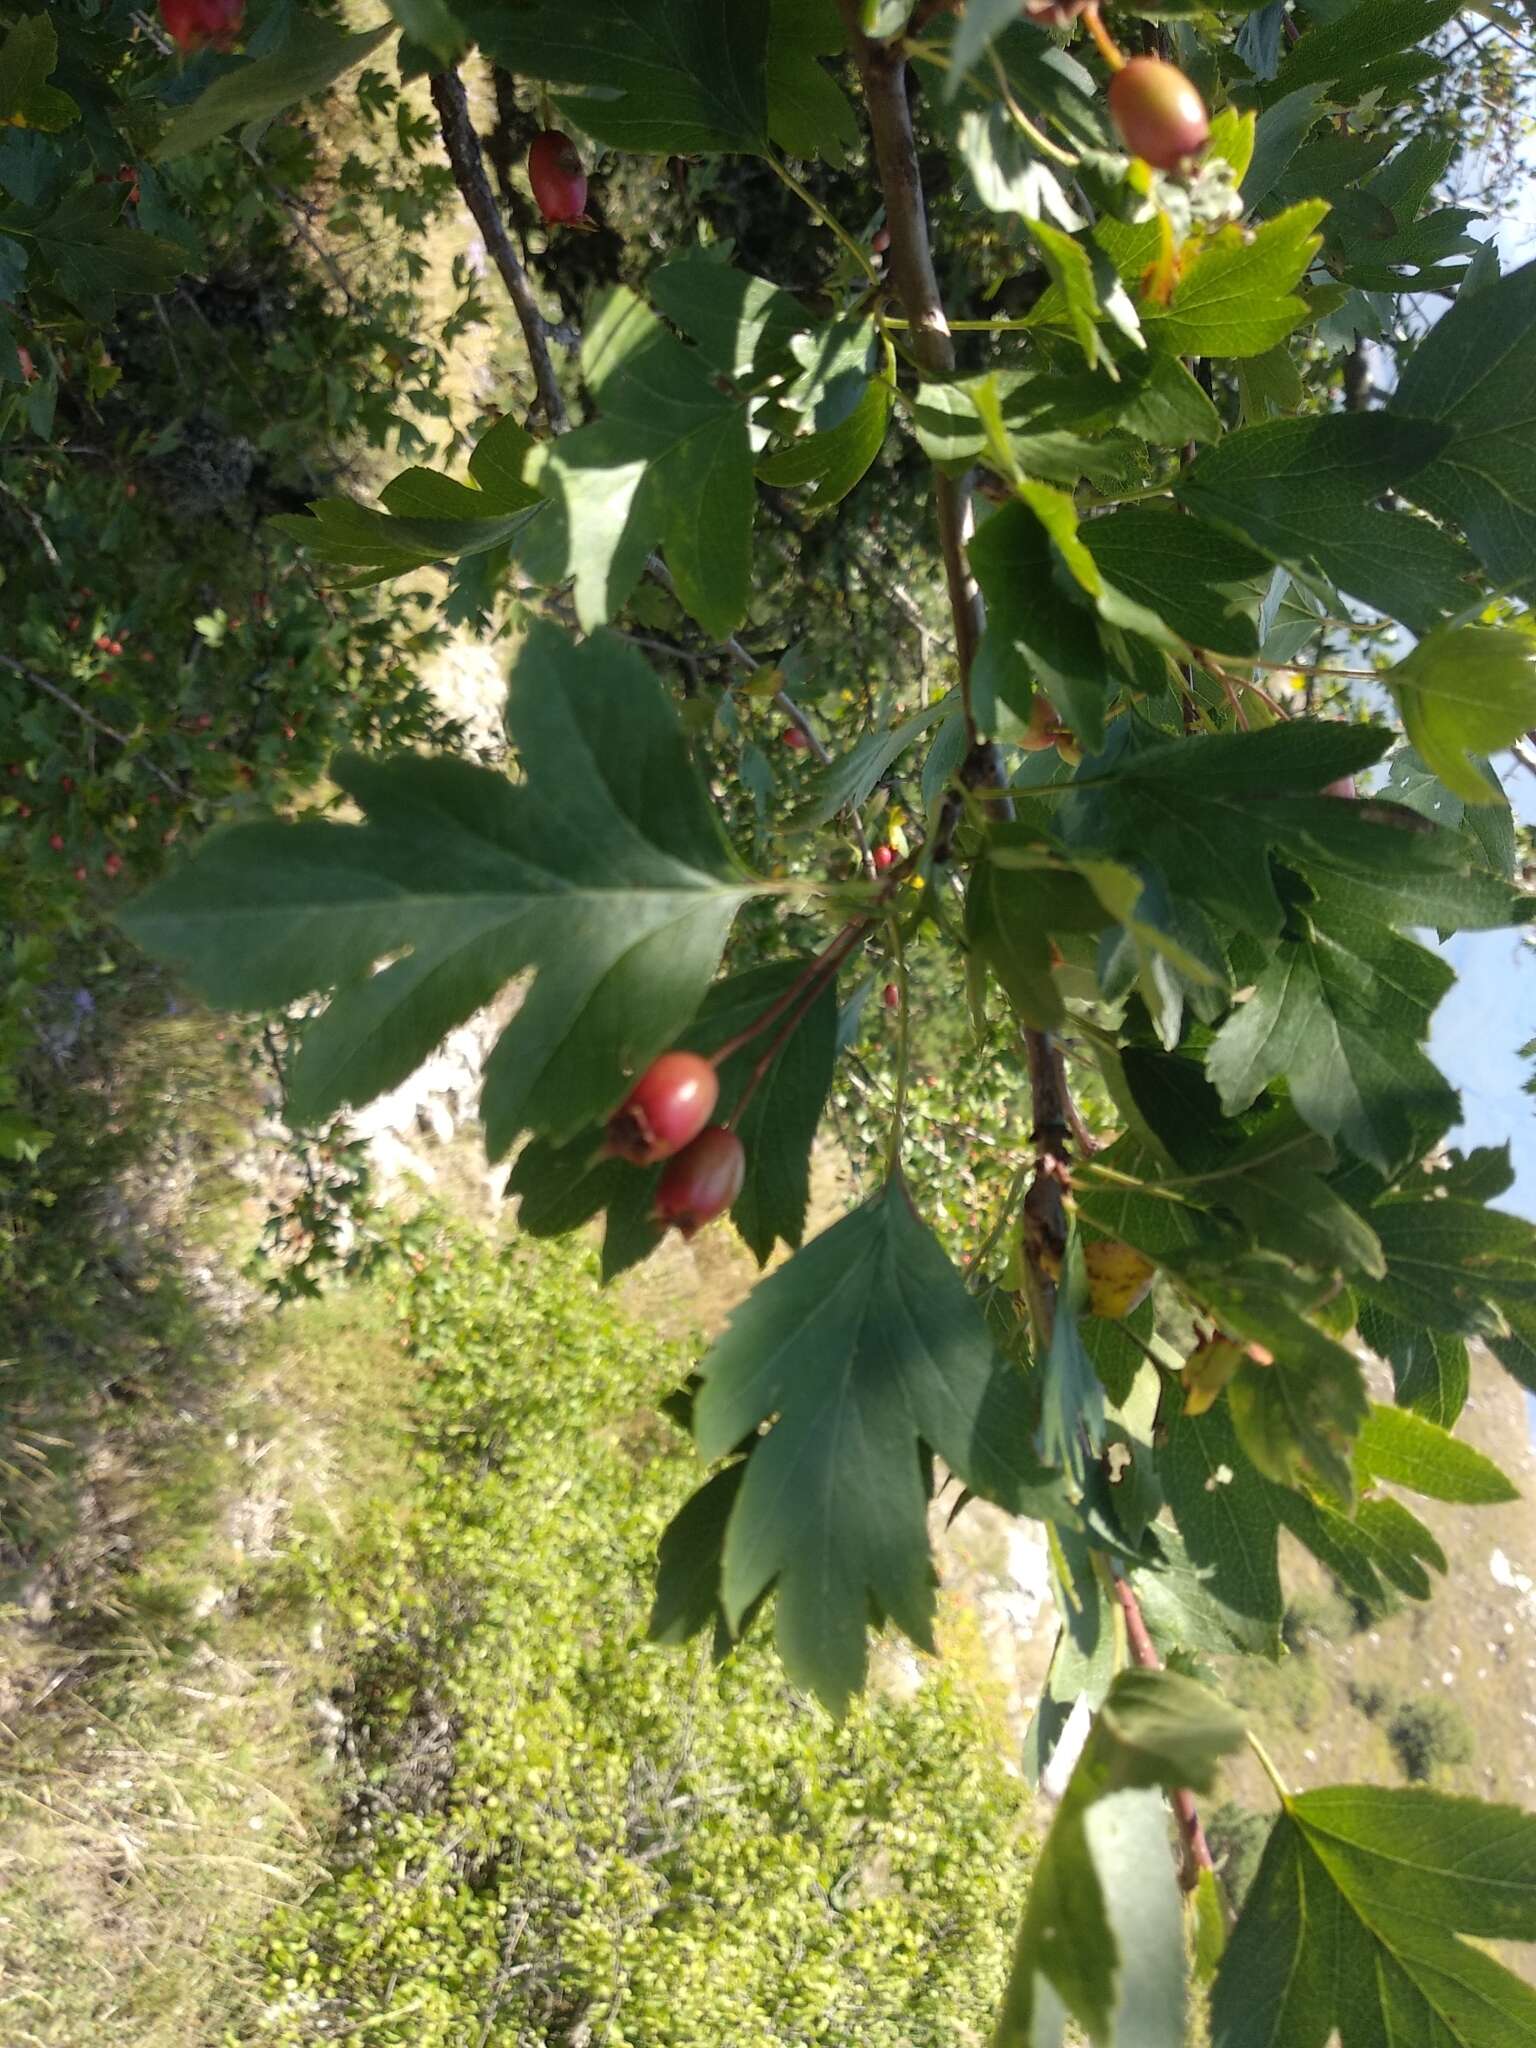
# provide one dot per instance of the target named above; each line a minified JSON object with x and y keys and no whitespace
{"x":113,"y":865}
{"x":130,"y":490}
{"x":56,"y":841}
{"x":703,"y":1182}
{"x":80,"y":874}
{"x":880,"y":241}
{"x":191,"y":23}
{"x":1160,"y":116}
{"x":892,"y":996}
{"x":23,"y":810}
{"x":67,"y":784}
{"x":795,"y":739}
{"x":885,"y":859}
{"x":555,"y":173}
{"x":667,"y":1107}
{"x":103,"y":643}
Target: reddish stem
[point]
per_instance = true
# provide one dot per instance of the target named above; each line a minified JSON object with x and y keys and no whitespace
{"x":811,"y":972}
{"x":1197,"y":1851}
{"x":808,"y":988}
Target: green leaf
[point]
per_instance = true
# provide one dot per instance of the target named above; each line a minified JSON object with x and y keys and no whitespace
{"x":1010,"y":914}
{"x":688,"y":1560}
{"x":1201,"y":583}
{"x":809,"y":114}
{"x":428,"y":517}
{"x":1341,"y":1013}
{"x":1199,"y":810}
{"x":432,"y":24}
{"x":1101,"y":1939}
{"x":1336,"y":51}
{"x":1466,"y":691}
{"x":1184,"y":1611}
{"x":1296,"y":1417}
{"x":838,"y":459}
{"x":1474,"y":372}
{"x":1452,"y":1264}
{"x":94,"y":257}
{"x":1354,"y":1918}
{"x":603,"y":870}
{"x":1236,"y":298}
{"x":742,"y":324}
{"x":1409,"y":1450}
{"x":668,"y":460}
{"x":1490,"y":826}
{"x":834,"y":363}
{"x":1227,"y":1518}
{"x":662,"y":77}
{"x":1299,"y":490}
{"x":1008,"y":175}
{"x":1036,"y":629}
{"x":263,"y":87}
{"x":1072,"y":1395}
{"x":1292,"y":1210}
{"x":849,"y":779}
{"x":28,"y":58}
{"x":863,"y":1346}
{"x":1084,"y":287}
{"x":1430,"y":1371}
{"x":980,"y":27}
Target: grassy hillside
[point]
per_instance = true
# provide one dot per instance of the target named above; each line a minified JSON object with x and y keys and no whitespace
{"x":329,"y":1713}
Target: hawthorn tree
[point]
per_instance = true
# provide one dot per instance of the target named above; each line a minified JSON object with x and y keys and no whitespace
{"x":1227,"y":612}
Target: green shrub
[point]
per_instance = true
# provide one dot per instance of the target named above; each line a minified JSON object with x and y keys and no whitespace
{"x":1427,"y":1736}
{"x":557,"y":1827}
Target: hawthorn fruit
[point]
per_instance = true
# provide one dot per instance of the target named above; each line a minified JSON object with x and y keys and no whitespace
{"x":558,"y":180}
{"x":892,"y":996}
{"x":1160,"y":116}
{"x":191,"y":24}
{"x":702,"y":1182}
{"x":794,"y":739}
{"x":665,"y":1110}
{"x":884,"y":859}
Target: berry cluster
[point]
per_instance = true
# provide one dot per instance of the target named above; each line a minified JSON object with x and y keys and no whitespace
{"x":666,"y":1116}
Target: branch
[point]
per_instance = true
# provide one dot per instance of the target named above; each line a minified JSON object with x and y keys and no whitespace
{"x":1197,"y":1851}
{"x":30,"y":675}
{"x":467,"y":160}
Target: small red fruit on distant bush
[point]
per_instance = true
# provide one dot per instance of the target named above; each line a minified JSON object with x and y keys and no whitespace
{"x":665,"y":1110}
{"x":1160,"y":116}
{"x":558,"y":180}
{"x":892,"y":996}
{"x":885,"y":859}
{"x":56,"y":841}
{"x":192,"y":23}
{"x":113,"y":865}
{"x":795,"y":739}
{"x":703,"y":1182}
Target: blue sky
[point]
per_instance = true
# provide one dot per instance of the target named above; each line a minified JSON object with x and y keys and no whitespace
{"x":1491,"y":1012}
